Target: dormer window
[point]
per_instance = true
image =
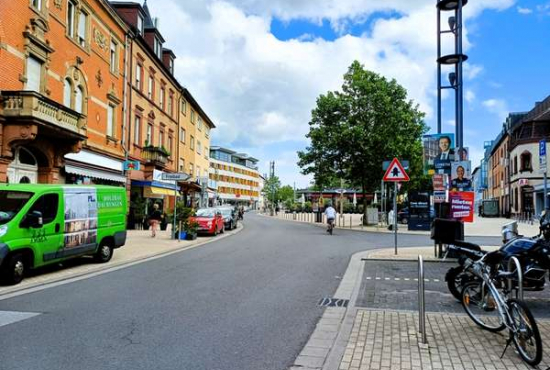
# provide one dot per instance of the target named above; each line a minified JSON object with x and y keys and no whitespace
{"x":140,"y":24}
{"x":158,"y":48}
{"x":171,"y":66}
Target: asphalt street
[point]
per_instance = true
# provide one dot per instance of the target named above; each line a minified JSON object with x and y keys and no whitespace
{"x":246,"y":302}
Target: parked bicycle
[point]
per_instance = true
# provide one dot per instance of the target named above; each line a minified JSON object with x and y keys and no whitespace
{"x":485,"y":300}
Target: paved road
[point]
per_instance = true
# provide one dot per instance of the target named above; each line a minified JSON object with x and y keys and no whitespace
{"x":392,"y":285}
{"x":244,"y":302}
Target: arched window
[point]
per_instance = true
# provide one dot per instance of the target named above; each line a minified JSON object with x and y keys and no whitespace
{"x":526,"y":161}
{"x":67,"y":92}
{"x":79,"y":100}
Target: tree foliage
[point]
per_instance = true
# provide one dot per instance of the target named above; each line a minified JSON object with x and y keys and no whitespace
{"x":354,"y":130}
{"x":285,"y":193}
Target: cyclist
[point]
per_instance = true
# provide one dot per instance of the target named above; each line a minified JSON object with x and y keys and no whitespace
{"x":330,"y":212}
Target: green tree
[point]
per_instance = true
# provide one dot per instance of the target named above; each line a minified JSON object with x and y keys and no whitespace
{"x":285,"y":193}
{"x":354,"y":130}
{"x":271,"y":188}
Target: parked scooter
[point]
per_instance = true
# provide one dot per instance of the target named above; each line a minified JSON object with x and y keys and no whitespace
{"x":533,"y":254}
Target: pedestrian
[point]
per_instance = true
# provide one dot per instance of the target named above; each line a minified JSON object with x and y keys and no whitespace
{"x":241,"y":213}
{"x":155,"y":217}
{"x":391,"y":219}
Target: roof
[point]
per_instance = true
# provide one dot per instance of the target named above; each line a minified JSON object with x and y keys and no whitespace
{"x":41,"y":187}
{"x":192,"y":100}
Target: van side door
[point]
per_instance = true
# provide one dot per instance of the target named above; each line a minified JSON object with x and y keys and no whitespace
{"x":46,"y":240}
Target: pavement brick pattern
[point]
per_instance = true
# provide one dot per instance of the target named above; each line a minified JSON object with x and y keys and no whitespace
{"x":394,"y":285}
{"x":387,"y":340}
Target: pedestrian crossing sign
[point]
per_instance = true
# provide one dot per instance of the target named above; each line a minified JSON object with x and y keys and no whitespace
{"x":396,"y":172}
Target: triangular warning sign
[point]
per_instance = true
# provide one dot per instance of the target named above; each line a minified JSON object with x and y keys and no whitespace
{"x":396,"y":172}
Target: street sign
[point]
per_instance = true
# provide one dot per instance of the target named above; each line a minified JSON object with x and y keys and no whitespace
{"x":396,"y":172}
{"x":386,"y":164}
{"x":175,"y":176}
{"x":542,"y":156}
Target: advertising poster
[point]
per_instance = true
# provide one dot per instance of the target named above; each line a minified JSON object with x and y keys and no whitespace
{"x":439,"y":152}
{"x":440,"y":182}
{"x":80,"y":217}
{"x":462,"y":154}
{"x":461,"y":176}
{"x":440,"y":196}
{"x":420,"y":217}
{"x":462,"y":205}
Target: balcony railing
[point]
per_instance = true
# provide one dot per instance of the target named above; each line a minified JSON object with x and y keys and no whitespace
{"x":32,"y":105}
{"x":156,"y":155}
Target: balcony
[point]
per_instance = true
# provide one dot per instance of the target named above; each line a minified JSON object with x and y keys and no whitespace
{"x":156,"y":155}
{"x":31,"y":106}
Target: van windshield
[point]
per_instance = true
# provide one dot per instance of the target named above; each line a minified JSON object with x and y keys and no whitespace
{"x":11,"y":203}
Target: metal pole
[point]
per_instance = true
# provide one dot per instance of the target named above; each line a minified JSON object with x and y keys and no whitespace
{"x":545,"y":192}
{"x":175,"y":207}
{"x":438,"y":72}
{"x":395,"y":216}
{"x":459,"y":77}
{"x":421,"y":301}
{"x":519,"y":292}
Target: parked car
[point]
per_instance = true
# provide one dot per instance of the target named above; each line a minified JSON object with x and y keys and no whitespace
{"x":230,"y":217}
{"x":210,"y":221}
{"x":403,"y":215}
{"x":45,"y":224}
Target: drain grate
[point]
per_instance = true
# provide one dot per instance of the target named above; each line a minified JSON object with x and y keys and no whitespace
{"x":333,"y":302}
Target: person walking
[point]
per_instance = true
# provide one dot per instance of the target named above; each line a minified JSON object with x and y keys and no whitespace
{"x":155,"y":217}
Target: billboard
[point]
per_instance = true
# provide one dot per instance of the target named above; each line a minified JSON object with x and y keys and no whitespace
{"x":462,"y":205}
{"x":438,"y":152}
{"x":461,"y":176}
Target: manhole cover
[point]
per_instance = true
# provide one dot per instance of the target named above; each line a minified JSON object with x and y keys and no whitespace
{"x":333,"y":302}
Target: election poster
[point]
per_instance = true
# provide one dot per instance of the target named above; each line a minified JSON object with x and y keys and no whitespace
{"x":438,"y":152}
{"x":461,"y":176}
{"x":462,"y":205}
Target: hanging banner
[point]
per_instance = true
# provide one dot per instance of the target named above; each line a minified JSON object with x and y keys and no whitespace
{"x":462,"y":205}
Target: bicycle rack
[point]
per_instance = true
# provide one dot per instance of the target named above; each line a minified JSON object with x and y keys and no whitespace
{"x":519,"y":291}
{"x":421,"y":301}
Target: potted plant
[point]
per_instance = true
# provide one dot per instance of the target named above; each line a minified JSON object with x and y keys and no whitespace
{"x":191,"y":229}
{"x":182,"y":219}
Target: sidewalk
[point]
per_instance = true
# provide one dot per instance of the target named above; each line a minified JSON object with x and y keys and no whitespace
{"x":482,"y":226}
{"x":139,"y":246}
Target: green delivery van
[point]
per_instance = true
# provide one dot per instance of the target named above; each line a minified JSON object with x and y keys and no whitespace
{"x":44,"y":224}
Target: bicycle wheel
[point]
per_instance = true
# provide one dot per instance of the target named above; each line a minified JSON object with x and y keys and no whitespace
{"x":330,"y":228}
{"x":526,"y":333}
{"x":480,"y":305}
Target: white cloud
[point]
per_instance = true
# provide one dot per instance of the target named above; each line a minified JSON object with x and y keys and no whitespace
{"x":259,"y":90}
{"x":497,"y":107}
{"x":471,"y":71}
{"x":522,"y":10}
{"x":470,"y":96}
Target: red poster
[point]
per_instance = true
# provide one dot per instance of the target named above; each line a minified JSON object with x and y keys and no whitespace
{"x":462,"y":205}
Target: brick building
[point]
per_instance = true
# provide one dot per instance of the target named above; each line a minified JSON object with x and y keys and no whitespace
{"x":61,"y":91}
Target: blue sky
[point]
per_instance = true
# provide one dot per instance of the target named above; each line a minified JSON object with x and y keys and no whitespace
{"x":257,"y":67}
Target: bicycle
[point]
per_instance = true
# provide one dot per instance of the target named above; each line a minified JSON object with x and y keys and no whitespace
{"x":330,"y":225}
{"x":492,"y":310}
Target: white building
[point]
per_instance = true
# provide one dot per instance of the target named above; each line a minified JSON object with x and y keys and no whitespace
{"x":235,"y":178}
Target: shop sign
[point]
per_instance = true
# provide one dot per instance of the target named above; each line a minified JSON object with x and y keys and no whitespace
{"x":523,"y":182}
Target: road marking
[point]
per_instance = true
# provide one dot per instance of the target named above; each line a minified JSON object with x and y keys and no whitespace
{"x":377,"y":278}
{"x":386,"y":278}
{"x":9,"y":317}
{"x":368,"y":278}
{"x":399,"y":279}
{"x":407,"y":279}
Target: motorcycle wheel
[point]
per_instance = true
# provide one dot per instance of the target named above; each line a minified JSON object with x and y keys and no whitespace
{"x":454,"y":282}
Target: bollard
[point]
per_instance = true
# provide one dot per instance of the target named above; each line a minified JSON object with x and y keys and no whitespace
{"x":179,"y":231}
{"x":519,"y":291}
{"x":343,"y":221}
{"x":350,"y":221}
{"x":421,"y":301}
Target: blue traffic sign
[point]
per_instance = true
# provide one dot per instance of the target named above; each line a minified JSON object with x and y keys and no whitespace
{"x":542,"y":148}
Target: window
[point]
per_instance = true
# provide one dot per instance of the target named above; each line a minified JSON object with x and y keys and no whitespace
{"x":111,"y":121}
{"x":37,"y":4}
{"x":48,"y":205}
{"x":191,"y":169}
{"x":526,"y":162}
{"x":161,"y":138}
{"x":170,"y":104}
{"x":192,"y":143}
{"x":199,"y":147}
{"x":70,"y":19}
{"x":172,"y":66}
{"x":182,"y":165}
{"x":139,"y":71}
{"x":149,"y":135}
{"x":162,"y":92}
{"x":206,"y":131}
{"x":79,"y":100}
{"x":34,"y":74}
{"x":158,"y":48}
{"x":151,"y":87}
{"x":198,"y":172}
{"x":206,"y":152}
{"x":67,"y":93}
{"x":82,"y":26}
{"x":183,"y":107}
{"x":192,"y":116}
{"x":137,"y":129}
{"x":182,"y":135}
{"x":114,"y":57}
{"x":140,"y":24}
{"x":199,"y":123}
{"x":170,"y":143}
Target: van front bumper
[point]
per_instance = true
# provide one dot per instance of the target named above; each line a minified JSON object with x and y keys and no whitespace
{"x":4,"y":250}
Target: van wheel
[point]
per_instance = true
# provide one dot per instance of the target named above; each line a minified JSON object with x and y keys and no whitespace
{"x":104,"y":253}
{"x":13,"y":269}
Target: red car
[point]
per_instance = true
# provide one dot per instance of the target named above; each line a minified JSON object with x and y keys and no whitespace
{"x":210,"y":221}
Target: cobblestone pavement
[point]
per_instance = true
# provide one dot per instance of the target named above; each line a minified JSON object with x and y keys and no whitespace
{"x":394,"y":285}
{"x":383,"y":339}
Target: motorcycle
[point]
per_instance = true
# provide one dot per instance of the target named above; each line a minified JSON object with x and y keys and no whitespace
{"x":533,"y":254}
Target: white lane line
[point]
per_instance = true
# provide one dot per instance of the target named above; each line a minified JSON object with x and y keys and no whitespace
{"x":397,"y":279}
{"x":377,"y":278}
{"x":9,"y":317}
{"x":368,"y":277}
{"x":407,"y":279}
{"x":386,"y":278}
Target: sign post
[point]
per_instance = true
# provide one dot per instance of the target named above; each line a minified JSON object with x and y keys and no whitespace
{"x":396,"y":173}
{"x":175,"y":177}
{"x":542,"y":168}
